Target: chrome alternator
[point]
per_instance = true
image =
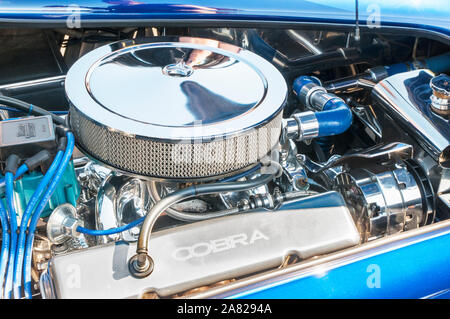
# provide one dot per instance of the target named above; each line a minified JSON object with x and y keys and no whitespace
{"x":387,"y":200}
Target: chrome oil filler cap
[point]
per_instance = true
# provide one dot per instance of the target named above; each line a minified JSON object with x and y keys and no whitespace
{"x":440,"y":99}
{"x":179,"y":107}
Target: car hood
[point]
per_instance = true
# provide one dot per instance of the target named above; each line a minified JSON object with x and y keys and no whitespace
{"x":428,"y":15}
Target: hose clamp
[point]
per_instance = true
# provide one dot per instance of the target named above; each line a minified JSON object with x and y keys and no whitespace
{"x":308,"y":126}
{"x":308,"y":92}
{"x":289,"y":130}
{"x":319,"y":99}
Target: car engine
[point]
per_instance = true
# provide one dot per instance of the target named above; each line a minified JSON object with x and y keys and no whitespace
{"x":168,"y":162}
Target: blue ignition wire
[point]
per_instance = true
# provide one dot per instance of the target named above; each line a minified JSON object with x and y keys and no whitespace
{"x":5,"y":244}
{"x":9,"y":177}
{"x":17,"y":280}
{"x":40,"y":208}
{"x":20,"y":171}
{"x":95,"y":232}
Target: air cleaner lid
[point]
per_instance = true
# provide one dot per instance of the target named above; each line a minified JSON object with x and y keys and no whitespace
{"x":166,"y":90}
{"x":183,"y":108}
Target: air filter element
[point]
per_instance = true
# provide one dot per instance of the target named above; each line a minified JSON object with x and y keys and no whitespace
{"x":180,"y":108}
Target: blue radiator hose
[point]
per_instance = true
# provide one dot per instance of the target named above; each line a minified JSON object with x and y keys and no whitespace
{"x":437,"y":64}
{"x":335,"y":118}
{"x":17,"y":279}
{"x":333,"y":115}
{"x":5,"y":244}
{"x":9,"y":178}
{"x":40,"y":208}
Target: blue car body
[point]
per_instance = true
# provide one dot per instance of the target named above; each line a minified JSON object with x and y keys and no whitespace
{"x":414,"y":265}
{"x":430,"y":16}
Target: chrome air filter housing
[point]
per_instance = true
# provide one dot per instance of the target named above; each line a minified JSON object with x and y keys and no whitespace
{"x":175,"y":108}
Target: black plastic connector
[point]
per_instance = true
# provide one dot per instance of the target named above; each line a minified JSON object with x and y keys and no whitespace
{"x":61,"y":130}
{"x":37,"y":159}
{"x":27,"y":136}
{"x":62,"y":143}
{"x":12,"y":163}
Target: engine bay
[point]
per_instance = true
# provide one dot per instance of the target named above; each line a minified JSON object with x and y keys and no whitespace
{"x":172,"y":162}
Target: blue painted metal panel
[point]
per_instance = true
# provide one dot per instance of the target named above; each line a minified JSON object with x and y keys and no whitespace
{"x":176,"y":9}
{"x":431,"y":15}
{"x":441,"y":295}
{"x":413,"y":271}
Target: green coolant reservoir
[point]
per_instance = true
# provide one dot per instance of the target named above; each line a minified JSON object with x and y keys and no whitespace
{"x":67,"y":191}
